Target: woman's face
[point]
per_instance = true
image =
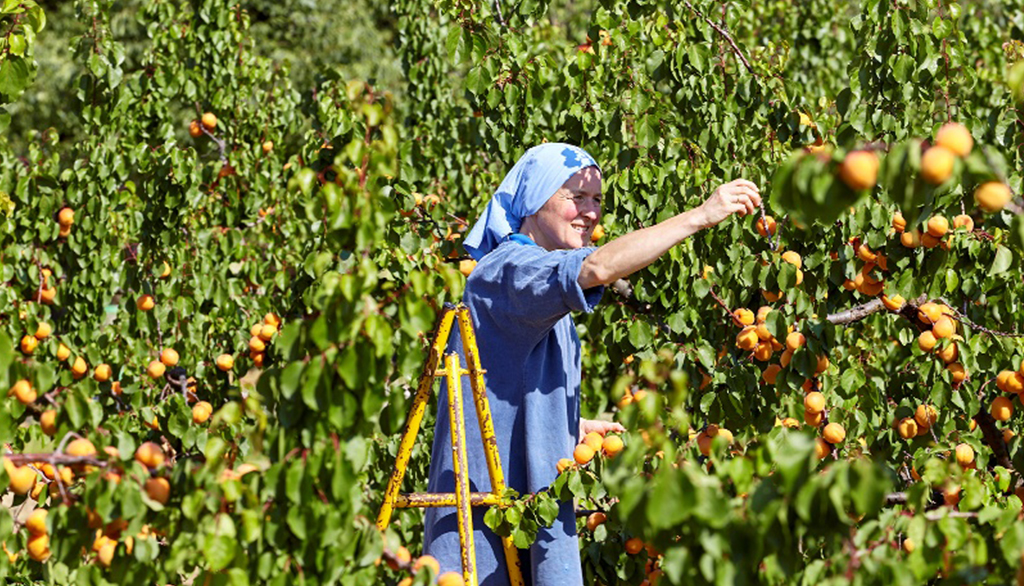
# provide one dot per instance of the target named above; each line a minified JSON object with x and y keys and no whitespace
{"x":568,"y":218}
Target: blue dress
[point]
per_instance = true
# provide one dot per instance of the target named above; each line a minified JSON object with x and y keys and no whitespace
{"x":519,"y":296}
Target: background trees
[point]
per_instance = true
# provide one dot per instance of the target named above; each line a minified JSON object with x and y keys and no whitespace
{"x":330,"y":209}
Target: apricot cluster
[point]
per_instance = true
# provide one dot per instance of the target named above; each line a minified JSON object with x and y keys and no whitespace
{"x":943,"y":327}
{"x":919,"y":424}
{"x":592,"y":444}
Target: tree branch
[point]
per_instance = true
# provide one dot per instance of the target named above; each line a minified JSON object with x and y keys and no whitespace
{"x":725,"y":34}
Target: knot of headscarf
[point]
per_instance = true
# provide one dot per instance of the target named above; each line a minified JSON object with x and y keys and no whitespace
{"x":536,"y":176}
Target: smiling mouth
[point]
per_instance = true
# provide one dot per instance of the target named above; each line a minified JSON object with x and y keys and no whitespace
{"x":581,"y":229}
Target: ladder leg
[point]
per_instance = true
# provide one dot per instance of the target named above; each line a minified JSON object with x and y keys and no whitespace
{"x":483,"y":414}
{"x":412,"y":425}
{"x":461,"y":468}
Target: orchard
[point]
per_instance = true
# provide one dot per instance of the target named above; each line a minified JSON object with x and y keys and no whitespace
{"x":220,"y":268}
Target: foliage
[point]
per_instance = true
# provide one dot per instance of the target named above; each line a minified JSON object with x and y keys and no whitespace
{"x":340,"y":212}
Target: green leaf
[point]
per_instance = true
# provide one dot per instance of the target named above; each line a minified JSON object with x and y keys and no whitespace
{"x":1004,"y":258}
{"x":219,"y":551}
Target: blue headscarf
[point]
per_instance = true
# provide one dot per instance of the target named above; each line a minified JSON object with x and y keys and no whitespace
{"x":526,"y":188}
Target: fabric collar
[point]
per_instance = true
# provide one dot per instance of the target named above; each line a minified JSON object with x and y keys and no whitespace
{"x":521,"y":239}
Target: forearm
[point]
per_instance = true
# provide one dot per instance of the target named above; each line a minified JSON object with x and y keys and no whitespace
{"x":635,"y":250}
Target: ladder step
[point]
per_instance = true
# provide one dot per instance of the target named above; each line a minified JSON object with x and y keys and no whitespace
{"x":441,"y":499}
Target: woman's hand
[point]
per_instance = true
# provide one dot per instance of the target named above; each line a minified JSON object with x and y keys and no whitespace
{"x":735,"y":197}
{"x":601,"y":427}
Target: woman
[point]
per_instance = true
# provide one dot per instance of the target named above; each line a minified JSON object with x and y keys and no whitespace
{"x":534,"y":269}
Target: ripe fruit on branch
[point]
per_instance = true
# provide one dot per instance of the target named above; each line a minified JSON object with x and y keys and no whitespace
{"x":268,"y":145}
{"x":894,"y":303}
{"x":899,"y":223}
{"x":911,"y":239}
{"x":964,"y":455}
{"x":596,"y":235}
{"x":63,"y":352}
{"x":209,"y":120}
{"x":770,"y":374}
{"x":267,"y":332}
{"x":564,"y":464}
{"x":964,"y":221}
{"x":943,"y":327}
{"x":156,"y":369}
{"x":593,"y":440}
{"x":795,"y":340}
{"x":23,"y":392}
{"x":272,"y":320}
{"x":583,"y":454}
{"x":169,"y":357}
{"x":48,"y":422}
{"x":426,"y":561}
{"x":81,"y":447}
{"x":36,"y":523}
{"x":43,"y":331}
{"x":1001,"y":409}
{"x":256,"y":344}
{"x":763,"y":351}
{"x":744,"y":316}
{"x":926,"y":341}
{"x":747,"y":338}
{"x":793,"y":258}
{"x":821,"y":448}
{"x":634,"y":545}
{"x":907,"y":428}
{"x":39,"y":547}
{"x":194,"y":130}
{"x":21,"y":478}
{"x":766,"y":226}
{"x":66,"y":216}
{"x":859,"y":170}
{"x":225,"y":362}
{"x":950,"y":353}
{"x":595,"y":520}
{"x":955,"y":137}
{"x":938,"y":226}
{"x":992,"y":196}
{"x":926,"y":415}
{"x":937,"y":165}
{"x":957,"y":371}
{"x":450,"y":579}
{"x":79,"y":368}
{"x":612,"y":446}
{"x":834,"y":433}
{"x":102,"y":373}
{"x":158,"y":489}
{"x":29,"y":344}
{"x":814,"y":419}
{"x":822,"y":365}
{"x":814,"y":402}
{"x":150,"y":455}
{"x":145,"y":303}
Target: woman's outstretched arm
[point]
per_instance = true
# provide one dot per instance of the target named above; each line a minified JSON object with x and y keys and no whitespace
{"x":635,"y":250}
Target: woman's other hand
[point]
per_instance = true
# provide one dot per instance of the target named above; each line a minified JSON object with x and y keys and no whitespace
{"x":735,"y":197}
{"x":601,"y":427}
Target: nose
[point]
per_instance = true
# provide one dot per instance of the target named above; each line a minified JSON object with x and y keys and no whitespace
{"x":590,"y":209}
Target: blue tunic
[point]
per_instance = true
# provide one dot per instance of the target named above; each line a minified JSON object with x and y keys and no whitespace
{"x":519,"y":296}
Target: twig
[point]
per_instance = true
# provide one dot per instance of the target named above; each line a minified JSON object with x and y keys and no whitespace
{"x":860,"y":312}
{"x":735,"y":320}
{"x":943,"y":512}
{"x":725,"y":34}
{"x":501,"y":19}
{"x":964,"y":319}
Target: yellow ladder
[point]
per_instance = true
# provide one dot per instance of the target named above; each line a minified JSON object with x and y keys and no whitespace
{"x":462,"y":499}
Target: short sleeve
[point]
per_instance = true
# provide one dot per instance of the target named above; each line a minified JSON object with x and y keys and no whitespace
{"x":532,"y":285}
